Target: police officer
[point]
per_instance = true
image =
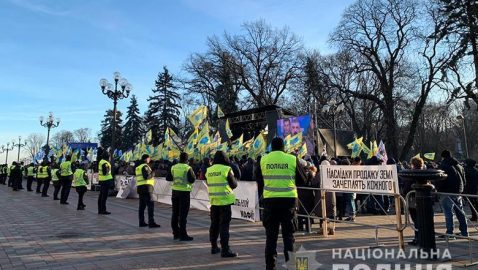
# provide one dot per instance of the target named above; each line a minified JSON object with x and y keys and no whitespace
{"x":105,"y":179}
{"x":46,"y":182}
{"x":30,"y":176}
{"x":145,"y":188}
{"x":278,"y":177}
{"x":3,"y":174}
{"x":40,"y":176}
{"x":183,"y":177}
{"x":43,"y":177}
{"x":15,"y":175}
{"x":66,"y":178}
{"x":80,"y":181}
{"x":221,"y":181}
{"x":55,"y":179}
{"x":9,"y":172}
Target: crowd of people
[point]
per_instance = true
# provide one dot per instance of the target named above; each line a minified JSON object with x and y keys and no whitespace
{"x":279,"y":202}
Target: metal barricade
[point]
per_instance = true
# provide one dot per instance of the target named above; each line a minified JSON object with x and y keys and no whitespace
{"x":462,"y":211}
{"x":400,"y":204}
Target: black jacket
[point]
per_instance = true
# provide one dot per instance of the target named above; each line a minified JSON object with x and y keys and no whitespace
{"x":471,"y":175}
{"x":455,"y":182}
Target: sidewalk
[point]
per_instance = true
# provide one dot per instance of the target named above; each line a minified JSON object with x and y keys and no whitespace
{"x":39,"y":233}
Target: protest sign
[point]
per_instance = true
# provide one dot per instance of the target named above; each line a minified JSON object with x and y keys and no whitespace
{"x":368,"y":179}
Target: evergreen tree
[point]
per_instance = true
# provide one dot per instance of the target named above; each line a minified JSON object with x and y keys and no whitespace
{"x":459,"y":22}
{"x":163,"y":109}
{"x":133,"y":128}
{"x":106,"y":130}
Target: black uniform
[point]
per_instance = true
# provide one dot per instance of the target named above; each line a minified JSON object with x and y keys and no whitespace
{"x":16,"y":176}
{"x":65,"y":184}
{"x":3,"y":174}
{"x":30,"y":178}
{"x":46,"y":182}
{"x":280,"y":212}
{"x":181,"y":201}
{"x":220,"y":220}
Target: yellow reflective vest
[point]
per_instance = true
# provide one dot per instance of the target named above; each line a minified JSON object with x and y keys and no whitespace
{"x":278,"y":170}
{"x":42,"y":172}
{"x":139,"y":176}
{"x":65,"y":168}
{"x":78,"y":178}
{"x":101,"y":176}
{"x":54,"y":177}
{"x":30,"y":171}
{"x":220,"y":193}
{"x":180,"y":177}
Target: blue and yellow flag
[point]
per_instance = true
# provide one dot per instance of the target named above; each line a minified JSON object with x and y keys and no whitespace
{"x":237,"y":144}
{"x":228,"y":129}
{"x":203,"y":137}
{"x":259,"y":145}
{"x":294,"y":142}
{"x":220,"y":114}
{"x":198,"y":116}
{"x":356,"y":147}
{"x":302,"y":151}
{"x":429,"y":156}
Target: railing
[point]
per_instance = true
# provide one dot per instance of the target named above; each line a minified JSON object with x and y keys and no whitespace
{"x":309,"y":214}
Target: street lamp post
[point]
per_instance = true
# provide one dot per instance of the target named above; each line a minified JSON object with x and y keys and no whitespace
{"x":115,"y":93}
{"x":19,"y":145}
{"x":462,"y":119}
{"x":7,"y":149}
{"x":334,"y":108}
{"x":49,"y":124}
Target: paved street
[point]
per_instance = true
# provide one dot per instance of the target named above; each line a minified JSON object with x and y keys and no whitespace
{"x":39,"y":233}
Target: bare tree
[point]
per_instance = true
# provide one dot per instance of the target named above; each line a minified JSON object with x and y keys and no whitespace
{"x":82,"y":135}
{"x":267,"y":60}
{"x":34,"y":143}
{"x":63,"y":137}
{"x":431,"y":72}
{"x":379,"y":33}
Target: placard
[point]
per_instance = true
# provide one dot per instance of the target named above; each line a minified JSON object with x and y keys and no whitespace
{"x":365,"y":179}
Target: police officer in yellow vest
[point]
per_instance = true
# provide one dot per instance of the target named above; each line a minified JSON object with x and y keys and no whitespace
{"x":55,"y":179}
{"x":80,"y":181}
{"x":30,"y":176}
{"x":220,"y":183}
{"x":182,"y":176}
{"x":46,"y":175}
{"x":105,"y":178}
{"x":66,"y":178}
{"x":145,"y":188}
{"x":278,"y":176}
{"x":43,"y":177}
{"x":9,"y":172}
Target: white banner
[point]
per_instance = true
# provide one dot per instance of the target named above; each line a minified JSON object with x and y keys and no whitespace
{"x":246,"y":206}
{"x":369,"y":179}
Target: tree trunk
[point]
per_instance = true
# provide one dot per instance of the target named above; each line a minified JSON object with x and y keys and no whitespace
{"x":413,"y":129}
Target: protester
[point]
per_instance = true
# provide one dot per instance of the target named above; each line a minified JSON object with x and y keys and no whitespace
{"x":454,"y":183}
{"x":417,"y":164}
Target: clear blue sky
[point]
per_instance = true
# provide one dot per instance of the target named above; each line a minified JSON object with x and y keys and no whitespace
{"x":53,"y":53}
